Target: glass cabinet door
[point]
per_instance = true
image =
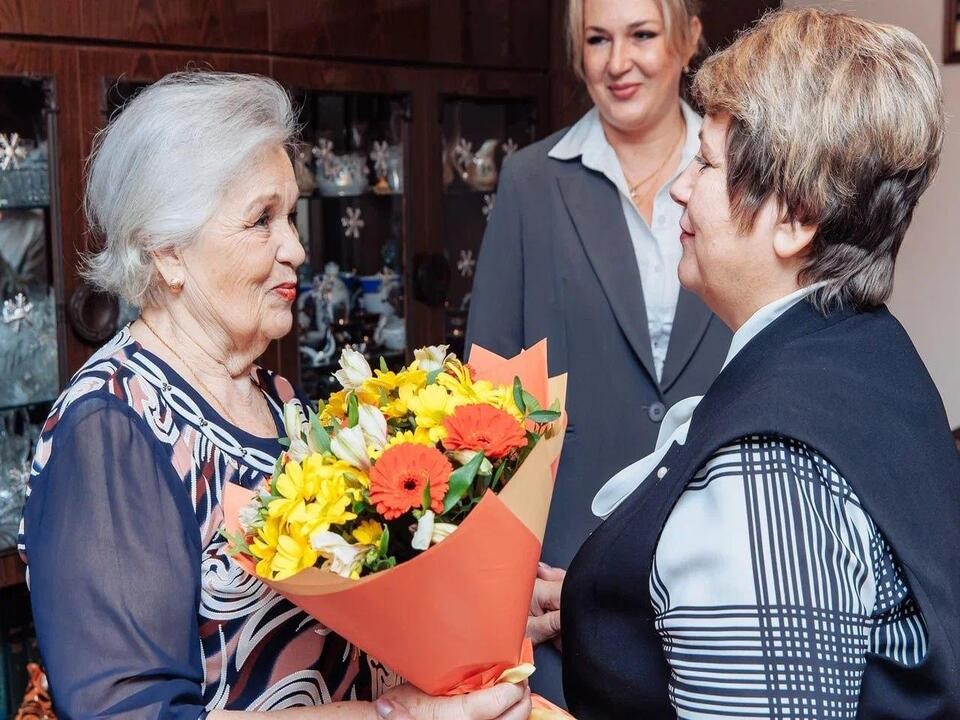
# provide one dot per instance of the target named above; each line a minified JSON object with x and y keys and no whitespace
{"x":30,"y":356}
{"x":351,"y":220}
{"x":478,"y":135}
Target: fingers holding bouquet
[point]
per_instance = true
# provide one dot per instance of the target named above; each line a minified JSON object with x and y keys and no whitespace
{"x":500,"y":702}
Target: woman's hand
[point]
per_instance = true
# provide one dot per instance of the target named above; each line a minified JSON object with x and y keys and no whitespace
{"x":543,"y":623}
{"x":501,"y":702}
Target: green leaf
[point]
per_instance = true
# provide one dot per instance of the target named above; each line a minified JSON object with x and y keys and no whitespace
{"x":237,"y":543}
{"x":383,"y":365}
{"x":542,"y":417}
{"x":353,"y":411}
{"x":319,"y":434}
{"x":433,"y":375}
{"x":426,"y":496}
{"x":518,"y":395}
{"x":497,"y":475}
{"x":532,"y":404}
{"x":358,"y":507}
{"x":460,"y":481}
{"x":284,"y":442}
{"x":384,"y":541}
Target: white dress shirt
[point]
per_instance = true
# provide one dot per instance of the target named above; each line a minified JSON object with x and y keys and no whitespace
{"x":657,"y":246}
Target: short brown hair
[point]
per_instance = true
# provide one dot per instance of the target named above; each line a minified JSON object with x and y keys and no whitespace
{"x":677,"y":15}
{"x":840,"y":120}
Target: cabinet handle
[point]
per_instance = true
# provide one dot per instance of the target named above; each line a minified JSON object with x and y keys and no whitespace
{"x":93,"y":314}
{"x":431,"y":278}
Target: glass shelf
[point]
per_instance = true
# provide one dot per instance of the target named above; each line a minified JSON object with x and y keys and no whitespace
{"x":29,"y":352}
{"x":351,"y":285}
{"x":478,"y":135}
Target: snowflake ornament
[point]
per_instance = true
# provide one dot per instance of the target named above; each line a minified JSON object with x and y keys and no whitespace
{"x":323,"y":154}
{"x":488,"y":203}
{"x":466,"y":263}
{"x":15,"y":311}
{"x":509,"y":148}
{"x":463,"y":149}
{"x":381,"y":157}
{"x":10,"y":151}
{"x":352,"y":222}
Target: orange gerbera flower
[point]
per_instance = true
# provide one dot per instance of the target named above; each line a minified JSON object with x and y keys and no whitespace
{"x":398,"y":478}
{"x":492,"y":431}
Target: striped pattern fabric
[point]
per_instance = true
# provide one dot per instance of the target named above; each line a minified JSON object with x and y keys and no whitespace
{"x":771,"y":584}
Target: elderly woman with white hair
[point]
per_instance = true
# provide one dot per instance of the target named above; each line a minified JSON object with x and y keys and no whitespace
{"x":792,"y":547}
{"x":139,"y":611}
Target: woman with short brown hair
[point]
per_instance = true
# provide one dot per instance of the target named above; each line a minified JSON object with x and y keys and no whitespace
{"x":791,"y":549}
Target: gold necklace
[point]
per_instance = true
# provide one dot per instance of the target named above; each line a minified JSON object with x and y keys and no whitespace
{"x":207,"y":390}
{"x":635,"y":187}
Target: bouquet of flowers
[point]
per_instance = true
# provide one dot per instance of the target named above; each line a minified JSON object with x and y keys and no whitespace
{"x":408,"y":511}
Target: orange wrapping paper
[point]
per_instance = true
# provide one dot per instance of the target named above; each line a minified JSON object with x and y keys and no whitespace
{"x":452,"y":619}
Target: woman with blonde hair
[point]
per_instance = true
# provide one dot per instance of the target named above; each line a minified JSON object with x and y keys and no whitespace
{"x":791,"y":549}
{"x":582,"y":249}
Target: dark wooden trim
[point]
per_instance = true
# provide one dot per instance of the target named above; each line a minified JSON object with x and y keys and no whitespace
{"x":951,"y":53}
{"x":12,"y":569}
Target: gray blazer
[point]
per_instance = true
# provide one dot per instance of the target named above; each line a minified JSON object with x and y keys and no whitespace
{"x":557,"y":262}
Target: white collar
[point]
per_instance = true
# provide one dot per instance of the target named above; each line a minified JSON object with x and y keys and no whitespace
{"x":676,"y":423}
{"x":586,"y":140}
{"x":764,"y":317}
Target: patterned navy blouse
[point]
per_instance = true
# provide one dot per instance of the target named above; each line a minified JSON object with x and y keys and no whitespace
{"x":139,"y":611}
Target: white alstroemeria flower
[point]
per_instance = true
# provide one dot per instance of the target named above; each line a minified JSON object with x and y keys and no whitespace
{"x":342,"y":558}
{"x":431,"y":358}
{"x":441,"y":531}
{"x":293,"y":420}
{"x":424,"y":533}
{"x":350,"y":446}
{"x":298,"y":450}
{"x":465,"y":456}
{"x":374,"y":426}
{"x":429,"y":532}
{"x":249,"y":516}
{"x":355,"y":370}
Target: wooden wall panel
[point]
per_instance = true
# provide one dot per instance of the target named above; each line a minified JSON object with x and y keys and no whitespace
{"x":487,"y":33}
{"x":35,"y":17}
{"x":209,"y":24}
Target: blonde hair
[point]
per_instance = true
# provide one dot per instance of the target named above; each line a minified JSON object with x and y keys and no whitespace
{"x":677,"y":15}
{"x":840,"y":120}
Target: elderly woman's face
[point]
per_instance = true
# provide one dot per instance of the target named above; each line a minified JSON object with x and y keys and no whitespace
{"x":241,"y":271}
{"x":632,"y":72}
{"x":727,"y":268}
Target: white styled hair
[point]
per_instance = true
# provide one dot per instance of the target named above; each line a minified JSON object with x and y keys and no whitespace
{"x":161,"y":166}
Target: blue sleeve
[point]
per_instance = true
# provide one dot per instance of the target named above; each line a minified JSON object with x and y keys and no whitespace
{"x":114,"y":553}
{"x":496,"y":300}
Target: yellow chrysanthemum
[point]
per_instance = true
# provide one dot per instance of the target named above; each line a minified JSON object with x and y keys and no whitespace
{"x":336,"y":408}
{"x":368,"y":533}
{"x":431,"y":406}
{"x":419,"y":436}
{"x":330,"y":506}
{"x":264,"y":546}
{"x":466,"y":391}
{"x":390,"y":381}
{"x":294,"y":553}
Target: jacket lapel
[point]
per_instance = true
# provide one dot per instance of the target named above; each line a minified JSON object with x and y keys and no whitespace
{"x":689,"y":325}
{"x":594,"y":206}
